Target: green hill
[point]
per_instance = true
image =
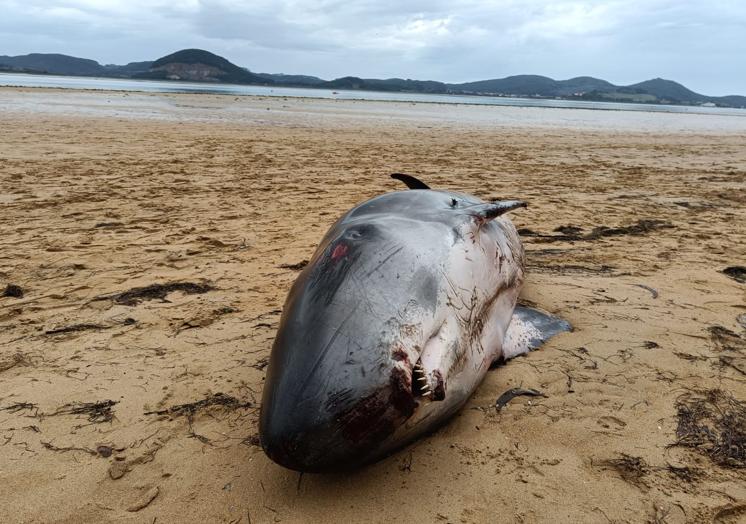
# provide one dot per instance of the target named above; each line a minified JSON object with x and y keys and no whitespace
{"x":292,"y":80}
{"x":197,"y":65}
{"x":519,"y":85}
{"x":669,"y":90}
{"x":53,"y":64}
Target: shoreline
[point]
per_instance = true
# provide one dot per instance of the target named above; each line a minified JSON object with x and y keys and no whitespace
{"x":625,"y":106}
{"x":243,"y":109}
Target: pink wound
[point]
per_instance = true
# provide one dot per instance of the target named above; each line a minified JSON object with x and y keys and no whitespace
{"x":340,"y":250}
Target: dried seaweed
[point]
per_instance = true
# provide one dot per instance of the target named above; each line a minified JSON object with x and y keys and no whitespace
{"x":684,"y":473}
{"x":725,"y":339}
{"x":75,"y":328}
{"x":13,"y":291}
{"x":730,"y":362}
{"x":713,"y":422}
{"x":631,"y":469}
{"x":573,"y":269}
{"x":16,"y":359}
{"x":52,"y":447}
{"x":574,"y":233}
{"x":642,"y":227}
{"x":97,"y":412}
{"x":21,"y":406}
{"x":295,"y":267}
{"x":261,"y":363}
{"x":158,"y":292}
{"x":191,"y":408}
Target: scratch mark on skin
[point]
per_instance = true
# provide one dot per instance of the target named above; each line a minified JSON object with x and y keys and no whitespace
{"x":382,"y":262}
{"x":328,"y":345}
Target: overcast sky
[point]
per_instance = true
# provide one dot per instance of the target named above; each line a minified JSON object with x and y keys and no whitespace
{"x":701,"y":44}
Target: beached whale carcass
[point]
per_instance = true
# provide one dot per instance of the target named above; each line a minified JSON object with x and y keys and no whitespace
{"x":407,"y":301}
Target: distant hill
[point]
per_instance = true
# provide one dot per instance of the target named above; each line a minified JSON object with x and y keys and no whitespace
{"x":292,"y":80}
{"x":129,"y":69}
{"x":730,"y":100}
{"x":658,"y":90}
{"x":669,"y":90}
{"x":530,"y":85}
{"x":534,"y":85}
{"x":582,"y":84}
{"x":197,"y":65}
{"x":53,"y":64}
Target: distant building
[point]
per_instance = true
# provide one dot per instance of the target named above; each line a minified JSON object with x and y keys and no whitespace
{"x":708,"y":104}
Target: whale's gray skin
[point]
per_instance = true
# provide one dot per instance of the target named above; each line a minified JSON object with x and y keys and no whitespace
{"x":391,"y":327}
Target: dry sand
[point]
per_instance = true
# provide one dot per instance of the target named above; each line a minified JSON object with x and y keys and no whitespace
{"x":104,"y":192}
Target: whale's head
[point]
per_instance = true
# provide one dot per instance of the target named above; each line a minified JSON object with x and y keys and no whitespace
{"x":362,"y":332}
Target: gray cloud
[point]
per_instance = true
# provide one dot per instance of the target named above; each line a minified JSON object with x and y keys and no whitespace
{"x":699,"y":43}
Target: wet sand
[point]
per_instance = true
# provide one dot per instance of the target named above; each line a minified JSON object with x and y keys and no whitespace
{"x":102,"y":193}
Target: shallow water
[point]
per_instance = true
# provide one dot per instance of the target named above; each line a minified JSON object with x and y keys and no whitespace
{"x":154,"y":86}
{"x":314,"y":113}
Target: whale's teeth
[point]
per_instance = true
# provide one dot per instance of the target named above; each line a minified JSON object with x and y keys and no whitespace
{"x":422,"y":379}
{"x":427,"y":393}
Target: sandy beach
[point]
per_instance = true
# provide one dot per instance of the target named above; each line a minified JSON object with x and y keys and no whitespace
{"x":150,"y":241}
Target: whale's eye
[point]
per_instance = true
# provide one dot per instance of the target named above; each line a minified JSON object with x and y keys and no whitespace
{"x":454,"y":202}
{"x":359,"y":231}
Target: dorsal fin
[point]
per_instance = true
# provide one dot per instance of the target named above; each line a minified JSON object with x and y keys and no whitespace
{"x":412,"y":182}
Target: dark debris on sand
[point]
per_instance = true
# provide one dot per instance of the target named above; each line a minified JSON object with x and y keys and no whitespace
{"x":631,"y":469}
{"x":13,"y":291}
{"x":191,"y":408}
{"x":158,"y":292}
{"x":737,"y":273}
{"x":52,"y":447}
{"x":74,"y":328}
{"x":261,"y":364}
{"x":713,"y":422}
{"x":97,"y":412}
{"x":16,"y":359}
{"x":17,"y":407}
{"x":509,"y":395}
{"x":295,"y":267}
{"x":725,"y":339}
{"x":575,"y":233}
{"x":252,"y":440}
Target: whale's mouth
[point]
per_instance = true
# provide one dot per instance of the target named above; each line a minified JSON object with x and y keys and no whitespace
{"x":420,"y":384}
{"x":434,"y":362}
{"x":427,"y":385}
